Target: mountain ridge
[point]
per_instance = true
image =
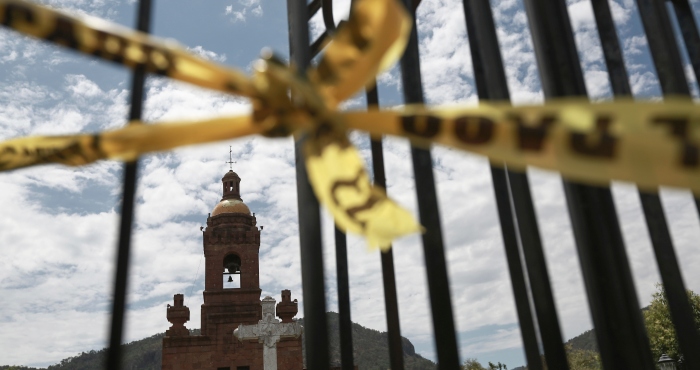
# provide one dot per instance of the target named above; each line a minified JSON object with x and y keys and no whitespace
{"x":370,"y":352}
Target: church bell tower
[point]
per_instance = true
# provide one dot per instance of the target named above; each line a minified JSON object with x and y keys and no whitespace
{"x":232,"y":269}
{"x":231,"y":246}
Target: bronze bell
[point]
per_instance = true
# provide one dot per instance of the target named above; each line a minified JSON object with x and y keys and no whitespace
{"x":230,"y":279}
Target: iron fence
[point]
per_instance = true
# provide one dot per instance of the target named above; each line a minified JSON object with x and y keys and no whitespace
{"x":620,"y":333}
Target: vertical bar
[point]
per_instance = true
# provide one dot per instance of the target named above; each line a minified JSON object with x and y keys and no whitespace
{"x":341,"y":246}
{"x":542,"y":297}
{"x":343,"y":280}
{"x":515,"y":268}
{"x":391,"y":302}
{"x":315,"y":326}
{"x":614,"y":60}
{"x":327,"y":9}
{"x":438,"y":282}
{"x":313,"y":7}
{"x":681,"y":311}
{"x":663,"y":46}
{"x":491,"y":84}
{"x":689,"y":30}
{"x":114,"y":353}
{"x":612,"y":298}
{"x":672,"y":82}
{"x":620,"y":332}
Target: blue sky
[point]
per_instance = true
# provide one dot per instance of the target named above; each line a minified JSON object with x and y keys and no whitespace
{"x":58,"y":225}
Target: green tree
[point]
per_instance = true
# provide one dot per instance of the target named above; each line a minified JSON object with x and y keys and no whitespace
{"x":657,"y":319}
{"x":472,"y":364}
{"x":579,"y":359}
{"x":583,"y":359}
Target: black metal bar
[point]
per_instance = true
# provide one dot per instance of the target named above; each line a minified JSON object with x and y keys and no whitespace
{"x":416,"y":3}
{"x":542,"y":297}
{"x":121,"y":276}
{"x":341,"y":245}
{"x":623,"y":341}
{"x":663,"y":47}
{"x":490,"y":79}
{"x":672,"y":82}
{"x":327,"y":9}
{"x":391,"y":302}
{"x":341,"y":265}
{"x":491,"y":84}
{"x":681,"y":311}
{"x":612,"y":298}
{"x":515,"y":268}
{"x":434,"y":251}
{"x":319,"y":44}
{"x":313,"y":7}
{"x":612,"y":52}
{"x":315,"y":326}
{"x":689,"y":30}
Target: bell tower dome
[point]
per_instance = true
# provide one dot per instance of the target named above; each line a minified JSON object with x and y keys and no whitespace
{"x":231,"y":201}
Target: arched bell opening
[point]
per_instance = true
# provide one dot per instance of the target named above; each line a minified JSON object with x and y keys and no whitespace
{"x":232,"y":271}
{"x":230,"y":187}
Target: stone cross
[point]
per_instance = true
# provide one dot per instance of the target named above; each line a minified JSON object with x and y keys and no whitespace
{"x":268,"y":331}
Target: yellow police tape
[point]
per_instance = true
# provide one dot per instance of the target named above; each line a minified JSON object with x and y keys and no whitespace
{"x":651,"y":144}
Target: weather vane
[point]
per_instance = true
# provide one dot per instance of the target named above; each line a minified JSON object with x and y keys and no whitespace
{"x":230,"y":158}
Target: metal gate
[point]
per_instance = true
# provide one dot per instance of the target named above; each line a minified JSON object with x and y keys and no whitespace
{"x":620,"y":332}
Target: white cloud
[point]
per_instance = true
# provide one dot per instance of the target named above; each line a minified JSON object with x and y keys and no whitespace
{"x":239,"y":12}
{"x":37,"y":109}
{"x":82,"y":88}
{"x":60,"y":266}
{"x":207,"y":54}
{"x":581,"y":14}
{"x":445,"y":57}
{"x":17,"y":48}
{"x":169,"y":101}
{"x":634,"y":44}
{"x":589,"y":49}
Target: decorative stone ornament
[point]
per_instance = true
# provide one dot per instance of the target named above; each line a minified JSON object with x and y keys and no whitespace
{"x":287,"y":309}
{"x":178,"y":315}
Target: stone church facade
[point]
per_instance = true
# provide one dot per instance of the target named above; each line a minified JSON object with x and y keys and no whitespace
{"x":231,"y":299}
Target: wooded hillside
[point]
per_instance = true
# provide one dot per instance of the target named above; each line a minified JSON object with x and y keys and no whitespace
{"x":371,"y":352}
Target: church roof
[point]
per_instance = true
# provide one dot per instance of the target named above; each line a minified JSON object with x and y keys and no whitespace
{"x":230,"y":206}
{"x":230,"y":174}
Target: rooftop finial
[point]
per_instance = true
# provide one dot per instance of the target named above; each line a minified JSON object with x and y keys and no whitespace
{"x":230,"y":158}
